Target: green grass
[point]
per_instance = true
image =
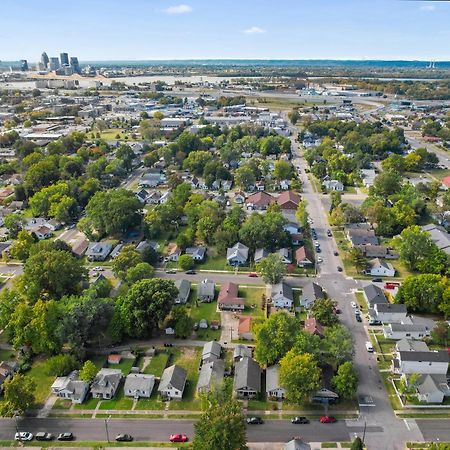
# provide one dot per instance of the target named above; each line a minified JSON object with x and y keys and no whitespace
{"x":329,"y":445}
{"x":7,"y":355}
{"x":361,"y":302}
{"x":118,"y":402}
{"x":150,"y":404}
{"x":125,"y":365}
{"x":91,"y":403}
{"x":110,"y":135}
{"x":157,"y":364}
{"x":206,"y":311}
{"x":253,"y":296}
{"x":43,"y":381}
{"x":216,"y":262}
{"x":262,"y":405}
{"x":62,"y":403}
{"x":189,"y":359}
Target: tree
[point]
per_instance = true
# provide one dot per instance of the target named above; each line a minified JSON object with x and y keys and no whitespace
{"x":274,"y":337}
{"x":128,"y":257}
{"x":356,"y":257}
{"x":346,"y":380}
{"x":181,"y":322}
{"x":323,"y":311}
{"x":21,"y":247}
{"x":357,"y":444}
{"x":299,"y":375}
{"x":282,"y":170}
{"x":186,"y":262}
{"x":336,"y":200}
{"x":339,"y":343}
{"x":441,"y":333}
{"x":140,"y":271}
{"x":18,"y":395}
{"x":14,"y":223}
{"x":88,"y":372}
{"x":386,"y":184}
{"x":52,"y":273}
{"x":302,"y":213}
{"x":196,"y":161}
{"x":221,"y":425}
{"x":61,"y":365}
{"x":272,"y":269}
{"x":244,"y":177}
{"x":146,"y":305}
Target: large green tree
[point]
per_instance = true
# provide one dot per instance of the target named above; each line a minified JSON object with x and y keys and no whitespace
{"x":346,"y":380}
{"x":272,"y":269}
{"x":323,"y":311}
{"x":127,"y":258}
{"x":18,"y":395}
{"x":339,"y":344}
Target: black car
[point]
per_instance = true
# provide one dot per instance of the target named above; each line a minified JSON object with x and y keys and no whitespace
{"x":335,"y":253}
{"x":190,"y":272}
{"x":66,"y":437}
{"x":42,"y":436}
{"x":299,"y":420}
{"x":339,"y":268}
{"x":124,"y":438}
{"x":329,"y":234}
{"x":377,"y":280}
{"x":255,"y":421}
{"x":358,"y":317}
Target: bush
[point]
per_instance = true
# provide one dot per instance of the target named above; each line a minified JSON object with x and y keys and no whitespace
{"x":61,"y":365}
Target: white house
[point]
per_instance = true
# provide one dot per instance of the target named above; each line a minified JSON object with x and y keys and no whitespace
{"x":380,"y":268}
{"x":70,"y":387}
{"x":139,"y":385}
{"x":405,"y":331}
{"x":173,"y":382}
{"x":273,"y":388}
{"x":282,"y":296}
{"x":237,"y":255}
{"x":333,"y":185}
{"x":390,"y":313}
{"x":422,"y":362}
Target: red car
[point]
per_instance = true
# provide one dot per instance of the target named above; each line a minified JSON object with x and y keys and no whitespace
{"x":178,"y":438}
{"x":253,"y":275}
{"x":327,"y":419}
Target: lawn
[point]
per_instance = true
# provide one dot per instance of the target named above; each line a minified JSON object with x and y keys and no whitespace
{"x":253,"y":299}
{"x":62,"y":403}
{"x":189,"y":359}
{"x":361,"y":302}
{"x":38,"y":373}
{"x":206,"y":311}
{"x":7,"y":355}
{"x":111,"y":135}
{"x":118,"y":402}
{"x":91,"y":403}
{"x":125,"y":366}
{"x":152,"y":403}
{"x":157,"y":364}
{"x":216,"y":262}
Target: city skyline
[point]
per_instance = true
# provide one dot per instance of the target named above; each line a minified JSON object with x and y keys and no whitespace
{"x":166,"y":30}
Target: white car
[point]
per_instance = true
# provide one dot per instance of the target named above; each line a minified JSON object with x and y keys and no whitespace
{"x":319,"y":259}
{"x":98,"y":269}
{"x":23,"y":436}
{"x":354,"y":305}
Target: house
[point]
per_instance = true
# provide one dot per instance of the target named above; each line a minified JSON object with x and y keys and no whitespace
{"x":259,"y":201}
{"x":247,"y":378}
{"x":151,"y":179}
{"x":245,"y":328}
{"x":172,"y":383}
{"x":378,"y":251}
{"x":237,"y":255}
{"x":7,"y":370}
{"x":361,"y":236}
{"x":114,"y":358}
{"x":184,"y":289}
{"x":333,"y":185}
{"x":211,"y":376}
{"x":115,"y":251}
{"x":439,"y":236}
{"x":286,"y":255}
{"x":389,"y":312}
{"x":228,"y":297}
{"x":260,"y":185}
{"x":282,"y":296}
{"x":422,"y":362}
{"x":211,"y":350}
{"x":405,"y":331}
{"x":411,"y":345}
{"x":206,"y":291}
{"x":42,"y":232}
{"x":260,"y":254}
{"x":198,"y":253}
{"x":79,"y":247}
{"x":312,"y":326}
{"x":241,"y":351}
{"x":432,"y":388}
{"x":310,"y":293}
{"x":368,"y":177}
{"x":304,"y":257}
{"x":70,"y":387}
{"x":142,"y":246}
{"x":98,"y":251}
{"x":297,"y":443}
{"x":139,"y":385}
{"x":239,"y":198}
{"x":106,"y":383}
{"x":173,"y":252}
{"x":291,"y":228}
{"x":288,"y":201}
{"x":374,"y":294}
{"x":380,"y":268}
{"x":142,"y":196}
{"x":273,"y":388}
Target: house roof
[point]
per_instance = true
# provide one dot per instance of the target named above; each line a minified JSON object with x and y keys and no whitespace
{"x":206,"y":288}
{"x":390,"y":308}
{"x":245,"y":324}
{"x":302,"y":254}
{"x":211,"y":348}
{"x":261,"y":253}
{"x":260,"y":198}
{"x":288,"y":197}
{"x":282,"y":290}
{"x":360,"y":236}
{"x":139,"y":382}
{"x":239,"y":251}
{"x":313,"y":327}
{"x":247,"y":374}
{"x":377,"y":262}
{"x":173,"y":376}
{"x":272,"y":382}
{"x":211,"y":374}
{"x":408,"y":327}
{"x":312,"y":290}
{"x":439,"y":356}
{"x":242,"y":351}
{"x":411,"y":345}
{"x":184,"y":289}
{"x":114,"y":358}
{"x":228,"y":290}
{"x":374,"y":294}
{"x":439,"y":236}
{"x":106,"y":380}
{"x":196,"y":252}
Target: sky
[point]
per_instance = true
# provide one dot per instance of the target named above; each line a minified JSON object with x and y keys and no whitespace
{"x":97,"y":30}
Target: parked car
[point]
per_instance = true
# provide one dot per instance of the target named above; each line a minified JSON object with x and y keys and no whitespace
{"x":377,"y":280}
{"x":178,"y":438}
{"x":171,"y":271}
{"x":23,"y":436}
{"x":190,"y":272}
{"x":43,"y":436}
{"x":318,"y":250}
{"x":358,"y":317}
{"x":66,"y":437}
{"x":391,"y":285}
{"x":327,"y":419}
{"x":124,"y":438}
{"x":319,"y":260}
{"x":254,"y":420}
{"x":299,"y":420}
{"x":354,"y":305}
{"x":329,"y":234}
{"x":335,"y":253}
{"x":375,"y":322}
{"x":253,"y":275}
{"x":339,"y":268}
{"x":98,"y":269}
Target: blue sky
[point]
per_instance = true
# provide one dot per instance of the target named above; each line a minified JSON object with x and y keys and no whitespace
{"x":257,"y":29}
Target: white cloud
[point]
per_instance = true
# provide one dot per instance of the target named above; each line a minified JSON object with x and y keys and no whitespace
{"x":430,"y":7}
{"x":254,"y":30}
{"x":178,"y":9}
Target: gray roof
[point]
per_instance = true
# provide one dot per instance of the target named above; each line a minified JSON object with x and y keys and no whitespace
{"x":72,"y":384}
{"x":408,"y":327}
{"x":391,"y":307}
{"x":312,"y":291}
{"x":377,"y":262}
{"x":241,"y":351}
{"x":439,"y":236}
{"x":211,"y":374}
{"x":360,"y":236}
{"x":173,"y":376}
{"x":106,"y":380}
{"x":196,"y":252}
{"x":282,"y":289}
{"x":98,"y":248}
{"x":238,"y":251}
{"x":139,"y":382}
{"x":410,"y":345}
{"x":297,"y":444}
{"x":184,"y":289}
{"x":374,"y":294}
{"x":261,"y":253}
{"x":426,"y":385}
{"x":247,"y":373}
{"x":272,"y":382}
{"x":206,"y":288}
{"x":211,"y":348}
{"x":440,"y":356}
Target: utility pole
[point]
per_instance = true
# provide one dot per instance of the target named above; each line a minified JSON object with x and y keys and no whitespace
{"x":364,"y":432}
{"x":106,"y":428}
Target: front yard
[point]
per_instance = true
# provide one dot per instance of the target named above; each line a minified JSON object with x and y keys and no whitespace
{"x":253,"y":301}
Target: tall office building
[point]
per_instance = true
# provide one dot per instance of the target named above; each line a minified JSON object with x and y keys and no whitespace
{"x":74,"y":64}
{"x":54,"y":63}
{"x":64,"y":58}
{"x":23,"y":65}
{"x":44,"y":60}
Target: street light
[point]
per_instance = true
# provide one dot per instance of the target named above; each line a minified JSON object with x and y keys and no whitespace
{"x":106,"y":428}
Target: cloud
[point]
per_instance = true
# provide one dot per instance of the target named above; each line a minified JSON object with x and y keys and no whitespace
{"x":178,"y":9}
{"x":430,"y":7}
{"x":254,"y":30}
